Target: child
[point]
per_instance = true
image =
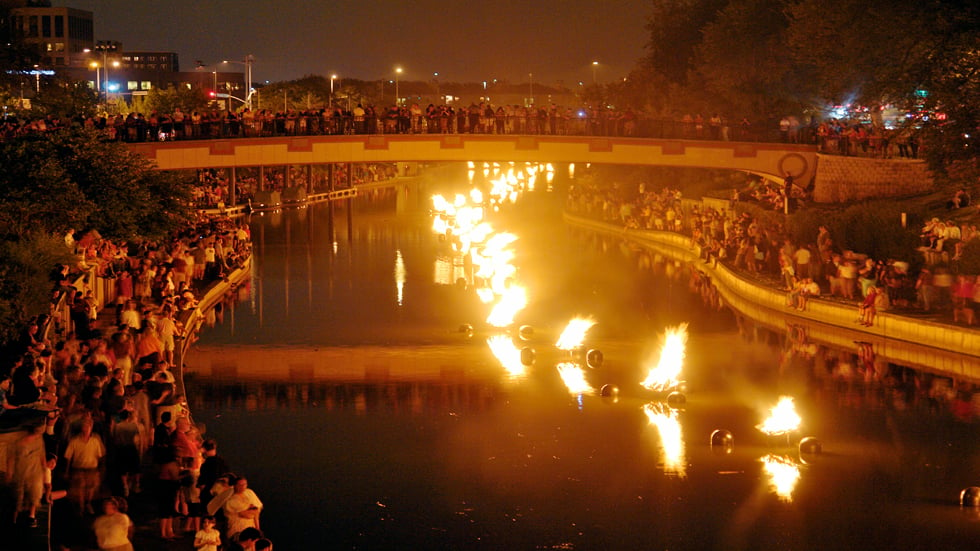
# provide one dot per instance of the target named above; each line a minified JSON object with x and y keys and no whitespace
{"x":208,"y":538}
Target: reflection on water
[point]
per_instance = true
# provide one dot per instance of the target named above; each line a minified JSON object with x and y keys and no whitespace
{"x":366,"y":419}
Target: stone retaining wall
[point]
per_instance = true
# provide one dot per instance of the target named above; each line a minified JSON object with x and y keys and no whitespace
{"x":840,"y":179}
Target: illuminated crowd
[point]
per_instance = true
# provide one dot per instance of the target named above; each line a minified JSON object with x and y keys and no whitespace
{"x":802,"y":269}
{"x":94,"y":423}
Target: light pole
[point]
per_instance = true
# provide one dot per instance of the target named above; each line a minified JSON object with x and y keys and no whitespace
{"x":332,"y":78}
{"x":248,"y":79}
{"x":98,"y":77}
{"x":530,"y":84}
{"x":435,"y":76}
{"x":108,"y":87}
{"x":398,"y":98}
{"x":595,"y":65}
{"x":105,"y":47}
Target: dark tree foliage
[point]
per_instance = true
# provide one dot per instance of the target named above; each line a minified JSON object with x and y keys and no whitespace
{"x":25,"y":287}
{"x":72,"y":179}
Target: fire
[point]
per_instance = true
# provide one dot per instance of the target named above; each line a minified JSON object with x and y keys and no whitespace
{"x":574,"y":378}
{"x":783,"y":473}
{"x":512,"y":301}
{"x":782,"y":419}
{"x":665,"y":375}
{"x":507,"y":354}
{"x":574,"y":333}
{"x":671,"y":439}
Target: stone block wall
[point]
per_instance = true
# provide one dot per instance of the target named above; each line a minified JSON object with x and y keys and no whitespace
{"x":840,"y":179}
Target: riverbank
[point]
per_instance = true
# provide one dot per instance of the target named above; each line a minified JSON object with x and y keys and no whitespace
{"x":942,"y":348}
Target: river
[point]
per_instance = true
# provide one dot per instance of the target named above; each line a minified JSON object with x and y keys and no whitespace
{"x":345,"y":385}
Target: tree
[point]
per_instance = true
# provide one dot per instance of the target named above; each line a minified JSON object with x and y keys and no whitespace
{"x":25,"y":287}
{"x":65,"y":98}
{"x":741,"y":64}
{"x":72,"y":179}
{"x":169,"y":100}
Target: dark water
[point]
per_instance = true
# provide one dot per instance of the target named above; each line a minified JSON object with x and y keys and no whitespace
{"x":368,"y":422}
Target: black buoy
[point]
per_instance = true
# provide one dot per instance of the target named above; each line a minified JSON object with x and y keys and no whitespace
{"x":527,"y":356}
{"x":594,"y":358}
{"x":676,"y":399}
{"x":466,"y":329}
{"x":970,"y":497}
{"x":525,"y":332}
{"x":609,"y":393}
{"x":722,"y":438}
{"x":810,"y":445}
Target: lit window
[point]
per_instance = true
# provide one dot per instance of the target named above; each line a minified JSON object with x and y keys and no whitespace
{"x":132,"y":85}
{"x":146,"y":85}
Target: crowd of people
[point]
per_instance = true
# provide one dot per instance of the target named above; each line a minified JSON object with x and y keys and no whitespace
{"x":834,"y":136}
{"x":92,"y":422}
{"x":804,"y":270}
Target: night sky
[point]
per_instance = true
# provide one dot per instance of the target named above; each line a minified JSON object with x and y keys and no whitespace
{"x":464,"y":41}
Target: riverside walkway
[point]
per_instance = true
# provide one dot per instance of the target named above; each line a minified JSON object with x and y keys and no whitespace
{"x":930,"y":344}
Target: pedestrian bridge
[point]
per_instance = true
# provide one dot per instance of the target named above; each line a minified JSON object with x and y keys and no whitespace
{"x":770,"y":160}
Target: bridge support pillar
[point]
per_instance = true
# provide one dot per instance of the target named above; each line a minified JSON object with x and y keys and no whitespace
{"x":232,"y":186}
{"x":309,"y":179}
{"x":262,"y":178}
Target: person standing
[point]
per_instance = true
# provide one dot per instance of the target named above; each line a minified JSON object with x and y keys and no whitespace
{"x":84,"y":455}
{"x":208,"y":538}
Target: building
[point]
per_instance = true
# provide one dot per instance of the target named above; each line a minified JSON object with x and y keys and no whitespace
{"x":62,"y":35}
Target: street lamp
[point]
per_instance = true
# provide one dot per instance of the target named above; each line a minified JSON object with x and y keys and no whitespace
{"x":332,"y":78}
{"x":595,"y":65}
{"x":98,"y":76}
{"x":435,"y":77}
{"x":398,"y":71}
{"x":105,"y":47}
{"x":530,"y":84}
{"x":248,"y":79}
{"x":108,"y":87}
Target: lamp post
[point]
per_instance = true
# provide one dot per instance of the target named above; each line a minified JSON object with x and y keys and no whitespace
{"x":435,"y":76}
{"x":98,"y":77}
{"x":595,"y":65}
{"x":248,"y":79}
{"x":530,"y":84}
{"x":398,"y":71}
{"x":108,"y":87}
{"x":332,"y":78}
{"x":105,"y":47}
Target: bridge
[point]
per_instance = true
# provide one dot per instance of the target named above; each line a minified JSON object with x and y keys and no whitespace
{"x":770,"y":160}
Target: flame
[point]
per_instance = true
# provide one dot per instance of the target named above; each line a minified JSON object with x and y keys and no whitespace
{"x":782,"y":419}
{"x":574,"y":333}
{"x":574,"y":378}
{"x":671,"y":439}
{"x":664,"y":375}
{"x":400,"y":275}
{"x":512,"y":301}
{"x":507,"y":354}
{"x":783,"y":473}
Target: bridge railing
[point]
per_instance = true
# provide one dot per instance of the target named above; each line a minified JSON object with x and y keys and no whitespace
{"x":326,"y":125}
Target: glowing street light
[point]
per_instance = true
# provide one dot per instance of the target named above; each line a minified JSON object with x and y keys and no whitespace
{"x":98,"y":76}
{"x":248,"y":78}
{"x":398,"y":71}
{"x":595,"y":66}
{"x":435,"y":77}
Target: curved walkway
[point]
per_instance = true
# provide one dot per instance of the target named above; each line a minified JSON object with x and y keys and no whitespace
{"x":947,"y":349}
